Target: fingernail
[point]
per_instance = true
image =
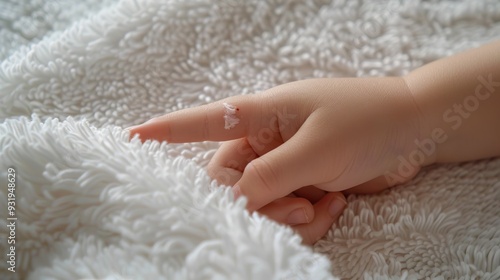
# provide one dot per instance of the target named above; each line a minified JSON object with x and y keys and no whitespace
{"x":153,"y":120}
{"x":336,"y":206}
{"x":298,"y":216}
{"x":131,"y":127}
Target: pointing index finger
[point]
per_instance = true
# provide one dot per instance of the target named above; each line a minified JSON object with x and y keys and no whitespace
{"x":219,"y":121}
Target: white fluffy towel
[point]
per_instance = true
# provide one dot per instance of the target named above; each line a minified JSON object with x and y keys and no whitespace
{"x":91,"y":204}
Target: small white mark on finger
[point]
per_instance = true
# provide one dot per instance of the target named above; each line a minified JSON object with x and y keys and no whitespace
{"x":230,"y":116}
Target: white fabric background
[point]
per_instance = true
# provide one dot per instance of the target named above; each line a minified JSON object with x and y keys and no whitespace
{"x":92,"y":204}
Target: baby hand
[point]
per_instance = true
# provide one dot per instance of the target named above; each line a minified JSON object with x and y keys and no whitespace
{"x":287,"y":147}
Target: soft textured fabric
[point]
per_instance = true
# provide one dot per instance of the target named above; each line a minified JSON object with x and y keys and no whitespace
{"x":93,"y":205}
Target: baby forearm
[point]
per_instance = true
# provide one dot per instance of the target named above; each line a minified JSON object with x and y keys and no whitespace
{"x":459,"y":98}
